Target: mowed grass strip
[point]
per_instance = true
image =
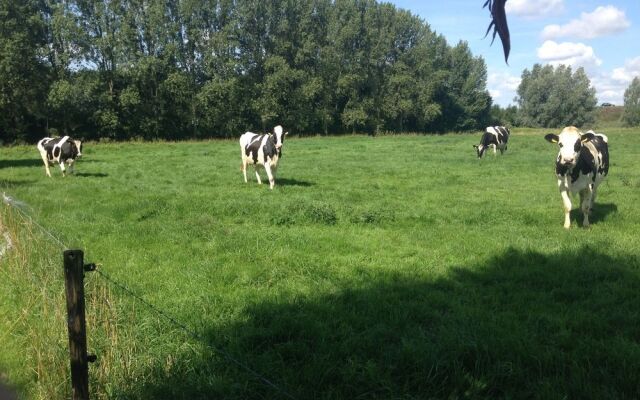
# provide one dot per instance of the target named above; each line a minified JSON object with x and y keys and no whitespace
{"x":386,"y":267}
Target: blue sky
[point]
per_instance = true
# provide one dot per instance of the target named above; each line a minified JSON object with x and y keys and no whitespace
{"x":601,"y":36}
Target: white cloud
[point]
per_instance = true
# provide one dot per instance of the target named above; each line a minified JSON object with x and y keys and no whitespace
{"x":602,"y":21}
{"x":502,"y":87}
{"x":567,"y":53}
{"x":534,"y":8}
{"x":630,"y":70}
{"x":608,"y":90}
{"x":610,"y":86}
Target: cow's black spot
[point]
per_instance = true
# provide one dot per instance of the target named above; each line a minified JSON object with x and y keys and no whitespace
{"x":251,"y":150}
{"x":270,"y":148}
{"x":577,"y":145}
{"x":603,"y":151}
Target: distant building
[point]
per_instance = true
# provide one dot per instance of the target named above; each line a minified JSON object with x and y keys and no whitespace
{"x":606,"y":105}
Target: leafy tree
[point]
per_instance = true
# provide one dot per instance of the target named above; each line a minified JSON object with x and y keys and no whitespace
{"x":631,"y":115}
{"x":158,"y":69}
{"x":23,"y":74}
{"x":507,"y":116}
{"x":555,"y":97}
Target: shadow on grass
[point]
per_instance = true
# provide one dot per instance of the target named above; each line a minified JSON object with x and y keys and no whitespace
{"x":292,"y":182}
{"x":22,"y":163}
{"x":521,"y":325}
{"x":598,"y":214}
{"x":91,"y":174}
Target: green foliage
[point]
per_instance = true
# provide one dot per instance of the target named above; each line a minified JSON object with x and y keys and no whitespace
{"x":23,"y":76}
{"x":631,"y":115}
{"x":390,"y":267}
{"x":555,"y":97}
{"x":507,"y":116}
{"x":173,"y":70}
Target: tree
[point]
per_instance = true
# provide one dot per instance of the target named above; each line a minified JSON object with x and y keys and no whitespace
{"x":554,"y":97}
{"x":631,"y":115}
{"x":158,"y":69}
{"x":24,"y":75}
{"x":507,"y":116}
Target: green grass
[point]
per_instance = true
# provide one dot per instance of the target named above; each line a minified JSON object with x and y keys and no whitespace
{"x":395,"y":267}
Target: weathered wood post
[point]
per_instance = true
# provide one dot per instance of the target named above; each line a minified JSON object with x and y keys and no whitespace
{"x":74,"y":284}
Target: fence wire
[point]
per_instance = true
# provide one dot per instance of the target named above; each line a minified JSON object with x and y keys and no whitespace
{"x":21,"y":207}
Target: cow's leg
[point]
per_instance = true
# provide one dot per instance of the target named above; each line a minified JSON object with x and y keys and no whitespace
{"x":585,"y":204}
{"x":594,"y":191}
{"x":566,"y":203}
{"x":257,"y":174}
{"x":494,"y":149}
{"x":62,"y":168}
{"x":244,"y":169}
{"x":46,"y":163}
{"x":267,"y":167}
{"x":71,"y":167}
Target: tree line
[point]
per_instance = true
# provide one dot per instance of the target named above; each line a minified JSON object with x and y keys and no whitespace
{"x":173,"y":69}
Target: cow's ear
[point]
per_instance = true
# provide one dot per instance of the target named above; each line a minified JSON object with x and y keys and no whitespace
{"x":551,"y":137}
{"x":587,"y":137}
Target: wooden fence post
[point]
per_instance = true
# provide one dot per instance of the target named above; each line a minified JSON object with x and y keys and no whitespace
{"x":74,"y":284}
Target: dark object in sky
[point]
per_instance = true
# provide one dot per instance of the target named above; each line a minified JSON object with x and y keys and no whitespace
{"x":500,"y":26}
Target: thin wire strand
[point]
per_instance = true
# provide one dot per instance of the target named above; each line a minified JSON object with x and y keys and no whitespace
{"x":15,"y":204}
{"x":194,"y":335}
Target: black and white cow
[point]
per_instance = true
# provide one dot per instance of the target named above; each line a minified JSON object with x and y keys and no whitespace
{"x":582,"y":163}
{"x":59,"y":150}
{"x":262,"y":151}
{"x":494,"y":136}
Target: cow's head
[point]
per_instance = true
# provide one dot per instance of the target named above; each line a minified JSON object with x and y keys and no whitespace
{"x":570,"y":141}
{"x":480,"y":148}
{"x":279,"y":136}
{"x":78,"y":144}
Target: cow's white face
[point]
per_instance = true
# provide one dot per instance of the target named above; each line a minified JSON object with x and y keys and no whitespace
{"x":480,"y":148}
{"x":570,"y":142}
{"x":78,"y":144}
{"x":279,"y":136}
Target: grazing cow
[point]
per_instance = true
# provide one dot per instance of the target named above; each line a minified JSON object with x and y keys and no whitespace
{"x":59,"y":150}
{"x":582,"y":163}
{"x":494,"y":136}
{"x":262,"y":150}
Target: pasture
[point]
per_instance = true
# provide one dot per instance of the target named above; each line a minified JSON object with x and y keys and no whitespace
{"x":392,"y":267}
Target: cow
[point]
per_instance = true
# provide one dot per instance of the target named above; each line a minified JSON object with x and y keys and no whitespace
{"x":581,"y":165}
{"x":262,"y":151}
{"x":494,"y":136}
{"x":59,"y":150}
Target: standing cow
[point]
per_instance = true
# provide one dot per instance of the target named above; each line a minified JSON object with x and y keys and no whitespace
{"x":59,"y":150}
{"x":494,"y":136}
{"x":582,"y":163}
{"x":262,"y":151}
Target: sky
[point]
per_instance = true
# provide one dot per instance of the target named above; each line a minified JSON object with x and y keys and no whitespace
{"x":601,"y":36}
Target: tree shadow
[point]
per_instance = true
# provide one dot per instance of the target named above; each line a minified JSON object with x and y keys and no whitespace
{"x":4,"y":163}
{"x":91,"y":174}
{"x":599,"y":213}
{"x":521,"y":325}
{"x":292,"y":182}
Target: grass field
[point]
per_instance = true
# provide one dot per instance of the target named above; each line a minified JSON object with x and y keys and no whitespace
{"x":394,"y":267}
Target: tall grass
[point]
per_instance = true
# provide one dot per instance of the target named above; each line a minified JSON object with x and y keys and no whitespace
{"x":387,"y":267}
